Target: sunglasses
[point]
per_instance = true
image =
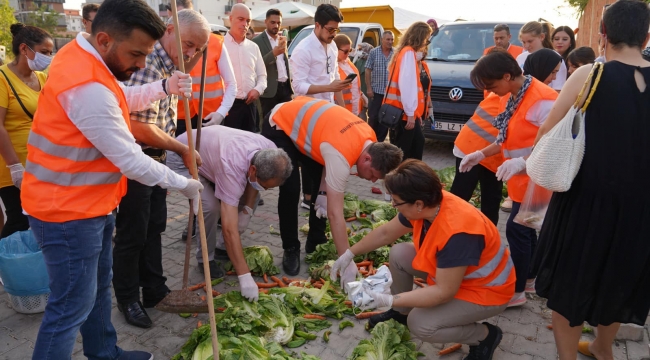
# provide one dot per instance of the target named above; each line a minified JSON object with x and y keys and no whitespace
{"x":332,"y":30}
{"x":328,"y":65}
{"x":345,"y":51}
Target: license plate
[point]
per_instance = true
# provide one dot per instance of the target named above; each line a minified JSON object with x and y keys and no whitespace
{"x":446,"y":126}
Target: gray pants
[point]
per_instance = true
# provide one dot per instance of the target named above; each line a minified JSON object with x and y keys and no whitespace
{"x":452,"y":322}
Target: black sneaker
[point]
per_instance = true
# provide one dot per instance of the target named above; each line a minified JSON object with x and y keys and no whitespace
{"x":485,"y":349}
{"x":305,"y":204}
{"x":216,"y":270}
{"x":387,"y":315}
{"x":136,"y":355}
{"x":221,"y":254}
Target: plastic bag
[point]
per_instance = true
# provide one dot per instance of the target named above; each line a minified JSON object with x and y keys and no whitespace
{"x":533,"y":208}
{"x":22,"y":266}
{"x":379,"y":283}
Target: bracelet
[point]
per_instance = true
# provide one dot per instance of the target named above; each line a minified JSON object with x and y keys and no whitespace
{"x":164,"y":85}
{"x":322,"y":193}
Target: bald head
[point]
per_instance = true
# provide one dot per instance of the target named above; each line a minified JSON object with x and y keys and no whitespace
{"x":240,"y":21}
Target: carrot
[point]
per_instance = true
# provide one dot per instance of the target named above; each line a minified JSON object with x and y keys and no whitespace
{"x":370,"y":269}
{"x":202,"y":297}
{"x":266,"y":278}
{"x":549,"y":326}
{"x":450,"y":349}
{"x":199,"y":324}
{"x":266,"y":286}
{"x":278,"y":281}
{"x":221,"y":309}
{"x":312,"y":280}
{"x":314,"y":317}
{"x":322,"y":280}
{"x":363,"y":272}
{"x":366,"y":315}
{"x":231,"y":273}
{"x":266,"y":291}
{"x":195,"y":314}
{"x":196,"y":287}
{"x":364,"y":263}
{"x":364,"y":216}
{"x":347,"y":302}
{"x":350,"y":219}
{"x":286,"y":280}
{"x":318,"y":285}
{"x":215,"y":293}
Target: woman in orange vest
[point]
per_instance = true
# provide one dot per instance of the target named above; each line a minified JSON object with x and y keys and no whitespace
{"x":458,"y":251}
{"x":353,"y":98}
{"x":528,"y":106}
{"x":408,"y":87}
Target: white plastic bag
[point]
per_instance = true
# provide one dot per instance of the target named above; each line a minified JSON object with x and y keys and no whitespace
{"x":379,"y":283}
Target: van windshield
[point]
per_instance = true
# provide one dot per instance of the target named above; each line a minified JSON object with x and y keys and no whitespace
{"x":465,"y":42}
{"x":351,"y":32}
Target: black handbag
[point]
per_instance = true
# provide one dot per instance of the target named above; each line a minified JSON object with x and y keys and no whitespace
{"x":390,"y":115}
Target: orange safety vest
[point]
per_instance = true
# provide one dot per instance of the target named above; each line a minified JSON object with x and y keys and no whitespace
{"x":492,"y":282}
{"x":347,"y":92}
{"x":513,"y":50}
{"x":66,"y":178}
{"x":214,"y":86}
{"x":310,"y":122}
{"x":521,"y":134}
{"x":393,"y":94}
{"x":479,"y":132}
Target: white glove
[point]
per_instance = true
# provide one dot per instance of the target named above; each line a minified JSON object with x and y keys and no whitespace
{"x":243,"y":219}
{"x":180,"y":84}
{"x":320,"y":206}
{"x":379,"y":300}
{"x":215,"y":119}
{"x":193,"y":192}
{"x":17,"y":170}
{"x":510,"y":168}
{"x":248,"y":287}
{"x":471,"y":160}
{"x":349,"y":275}
{"x":342,"y":263}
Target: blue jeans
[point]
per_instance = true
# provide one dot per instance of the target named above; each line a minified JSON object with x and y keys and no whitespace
{"x":78,"y":257}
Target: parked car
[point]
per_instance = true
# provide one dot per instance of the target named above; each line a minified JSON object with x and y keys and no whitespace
{"x":218,"y":29}
{"x":451,"y":57}
{"x":357,"y":32}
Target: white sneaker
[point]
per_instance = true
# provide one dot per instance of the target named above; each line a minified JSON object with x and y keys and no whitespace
{"x":506,"y":206}
{"x":518,"y":299}
{"x":530,"y":286}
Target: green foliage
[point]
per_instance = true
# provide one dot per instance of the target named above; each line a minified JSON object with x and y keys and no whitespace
{"x":390,"y":340}
{"x":6,"y":19}
{"x":259,"y":260}
{"x":43,"y":18}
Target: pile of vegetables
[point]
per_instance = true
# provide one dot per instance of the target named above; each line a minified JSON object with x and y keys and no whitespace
{"x":259,"y":260}
{"x":390,"y":340}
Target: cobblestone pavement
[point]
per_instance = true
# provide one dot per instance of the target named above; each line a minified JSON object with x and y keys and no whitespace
{"x":526,"y":336}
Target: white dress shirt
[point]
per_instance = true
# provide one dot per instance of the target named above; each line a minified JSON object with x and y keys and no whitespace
{"x":356,"y":91}
{"x":105,"y":127}
{"x":248,"y":65}
{"x":279,"y":60}
{"x":229,"y":81}
{"x":407,"y":83}
{"x":308,"y":66}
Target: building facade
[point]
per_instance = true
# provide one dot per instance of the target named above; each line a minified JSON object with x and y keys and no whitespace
{"x":73,"y":20}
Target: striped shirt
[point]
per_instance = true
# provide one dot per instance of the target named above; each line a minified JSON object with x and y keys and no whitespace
{"x":162,"y":113}
{"x":378,"y":63}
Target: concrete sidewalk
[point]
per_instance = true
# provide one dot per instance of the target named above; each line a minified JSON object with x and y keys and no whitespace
{"x":526,"y":336}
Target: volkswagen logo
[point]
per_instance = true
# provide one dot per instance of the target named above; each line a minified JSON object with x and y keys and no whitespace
{"x":456,"y":94}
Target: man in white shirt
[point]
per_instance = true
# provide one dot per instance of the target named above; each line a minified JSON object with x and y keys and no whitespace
{"x":276,"y":59}
{"x":250,"y":72}
{"x":313,"y":64}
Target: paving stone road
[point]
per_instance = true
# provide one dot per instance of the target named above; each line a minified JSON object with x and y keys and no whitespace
{"x":526,"y":336}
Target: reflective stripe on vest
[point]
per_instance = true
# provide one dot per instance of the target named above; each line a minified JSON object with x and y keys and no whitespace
{"x":208,"y":81}
{"x":62,"y":151}
{"x":490,"y":266}
{"x":72,"y":179}
{"x":503,"y":276}
{"x":515,"y":153}
{"x":311,"y":125}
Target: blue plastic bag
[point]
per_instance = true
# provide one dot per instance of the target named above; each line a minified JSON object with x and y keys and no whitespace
{"x":22,"y":266}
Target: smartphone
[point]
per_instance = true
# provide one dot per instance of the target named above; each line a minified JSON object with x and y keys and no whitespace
{"x":285,"y":33}
{"x":351,"y":77}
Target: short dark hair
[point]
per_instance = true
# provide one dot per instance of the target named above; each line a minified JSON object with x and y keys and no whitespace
{"x":626,"y":22}
{"x":272,"y":12}
{"x":326,"y":13}
{"x":581,"y":56}
{"x":493,"y":67}
{"x":87,"y":9}
{"x":384,"y":157}
{"x":26,"y":34}
{"x":414,"y":180}
{"x":119,"y":18}
{"x":502,"y":27}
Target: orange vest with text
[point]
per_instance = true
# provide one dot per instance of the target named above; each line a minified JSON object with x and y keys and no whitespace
{"x":347,"y":92}
{"x":214,"y":86}
{"x":393,"y":94}
{"x":492,"y":282}
{"x":310,"y":122}
{"x":479,"y":132}
{"x":66,"y":177}
{"x":521,"y":134}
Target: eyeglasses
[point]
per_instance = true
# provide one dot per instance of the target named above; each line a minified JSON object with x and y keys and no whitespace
{"x":395,"y":205}
{"x":332,"y":30}
{"x":88,"y":20}
{"x":328,"y":65}
{"x":345,"y":51}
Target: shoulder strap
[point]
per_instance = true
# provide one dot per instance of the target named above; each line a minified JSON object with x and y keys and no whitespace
{"x":389,"y":78}
{"x":579,"y":99}
{"x":600,"y":70}
{"x":17,"y":97}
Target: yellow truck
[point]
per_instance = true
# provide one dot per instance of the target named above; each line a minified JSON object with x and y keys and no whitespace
{"x":383,"y":15}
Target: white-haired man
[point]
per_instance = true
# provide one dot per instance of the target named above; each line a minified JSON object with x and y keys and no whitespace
{"x":142,"y":214}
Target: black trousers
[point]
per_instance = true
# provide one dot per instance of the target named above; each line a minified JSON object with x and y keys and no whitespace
{"x":16,"y":221}
{"x":290,"y":192}
{"x":283,"y":94}
{"x":137,"y":255}
{"x":373,"y":117}
{"x":523,"y":242}
{"x":465,"y":183}
{"x":242,"y":116}
{"x":410,"y":141}
{"x":181,"y":125}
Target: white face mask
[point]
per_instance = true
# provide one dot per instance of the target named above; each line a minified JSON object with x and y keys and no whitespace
{"x":40,"y":62}
{"x":255,"y":185}
{"x":419,"y":56}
